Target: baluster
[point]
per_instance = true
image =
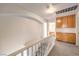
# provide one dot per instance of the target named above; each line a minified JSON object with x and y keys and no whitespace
{"x":35,"y":51}
{"x":32,"y":50}
{"x":28,"y":52}
{"x":44,"y":47}
{"x":41,"y":49}
{"x":25,"y":52}
{"x":21,"y":53}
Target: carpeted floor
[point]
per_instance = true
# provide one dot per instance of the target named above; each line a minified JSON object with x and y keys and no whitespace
{"x":64,"y":49}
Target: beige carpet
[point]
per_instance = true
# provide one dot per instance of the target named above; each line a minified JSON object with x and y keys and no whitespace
{"x":64,"y":49}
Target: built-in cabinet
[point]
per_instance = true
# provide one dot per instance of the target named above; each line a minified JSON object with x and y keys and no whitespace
{"x":71,"y":21}
{"x":66,"y":22}
{"x":59,"y":22}
{"x":66,"y":37}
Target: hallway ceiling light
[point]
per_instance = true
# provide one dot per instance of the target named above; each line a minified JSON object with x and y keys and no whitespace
{"x":50,"y":9}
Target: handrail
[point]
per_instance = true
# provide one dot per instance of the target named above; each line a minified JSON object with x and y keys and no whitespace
{"x":22,"y":49}
{"x":27,"y":46}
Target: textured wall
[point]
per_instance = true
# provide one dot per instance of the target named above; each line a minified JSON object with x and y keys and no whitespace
{"x":16,"y":31}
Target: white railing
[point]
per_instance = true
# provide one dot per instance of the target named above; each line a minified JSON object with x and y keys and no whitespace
{"x":39,"y":48}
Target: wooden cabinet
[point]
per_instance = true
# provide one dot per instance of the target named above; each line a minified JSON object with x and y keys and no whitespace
{"x":59,"y":22}
{"x":66,"y":37}
{"x":71,"y":21}
{"x":51,"y":33}
{"x":71,"y":37}
{"x":66,"y":21}
{"x":59,"y":36}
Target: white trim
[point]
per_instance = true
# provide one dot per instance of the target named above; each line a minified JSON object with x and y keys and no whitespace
{"x":66,"y":30}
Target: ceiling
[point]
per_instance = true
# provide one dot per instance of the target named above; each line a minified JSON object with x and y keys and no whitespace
{"x":37,"y":8}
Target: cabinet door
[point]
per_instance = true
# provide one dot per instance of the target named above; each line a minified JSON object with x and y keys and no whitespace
{"x":59,"y":36}
{"x":71,"y":38}
{"x":64,"y":25}
{"x":65,"y":37}
{"x":59,"y":22}
{"x":71,"y":21}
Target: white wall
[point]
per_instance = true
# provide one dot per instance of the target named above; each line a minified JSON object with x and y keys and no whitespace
{"x":45,"y":30}
{"x":51,"y":27}
{"x":66,"y":30}
{"x":16,"y":31}
{"x":77,"y":29}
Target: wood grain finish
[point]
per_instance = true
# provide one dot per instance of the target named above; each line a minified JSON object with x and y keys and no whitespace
{"x":59,"y":24}
{"x":51,"y":34}
{"x":59,"y":36}
{"x":64,"y":19}
{"x":66,"y":37}
{"x":71,"y":22}
{"x":68,"y":21}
